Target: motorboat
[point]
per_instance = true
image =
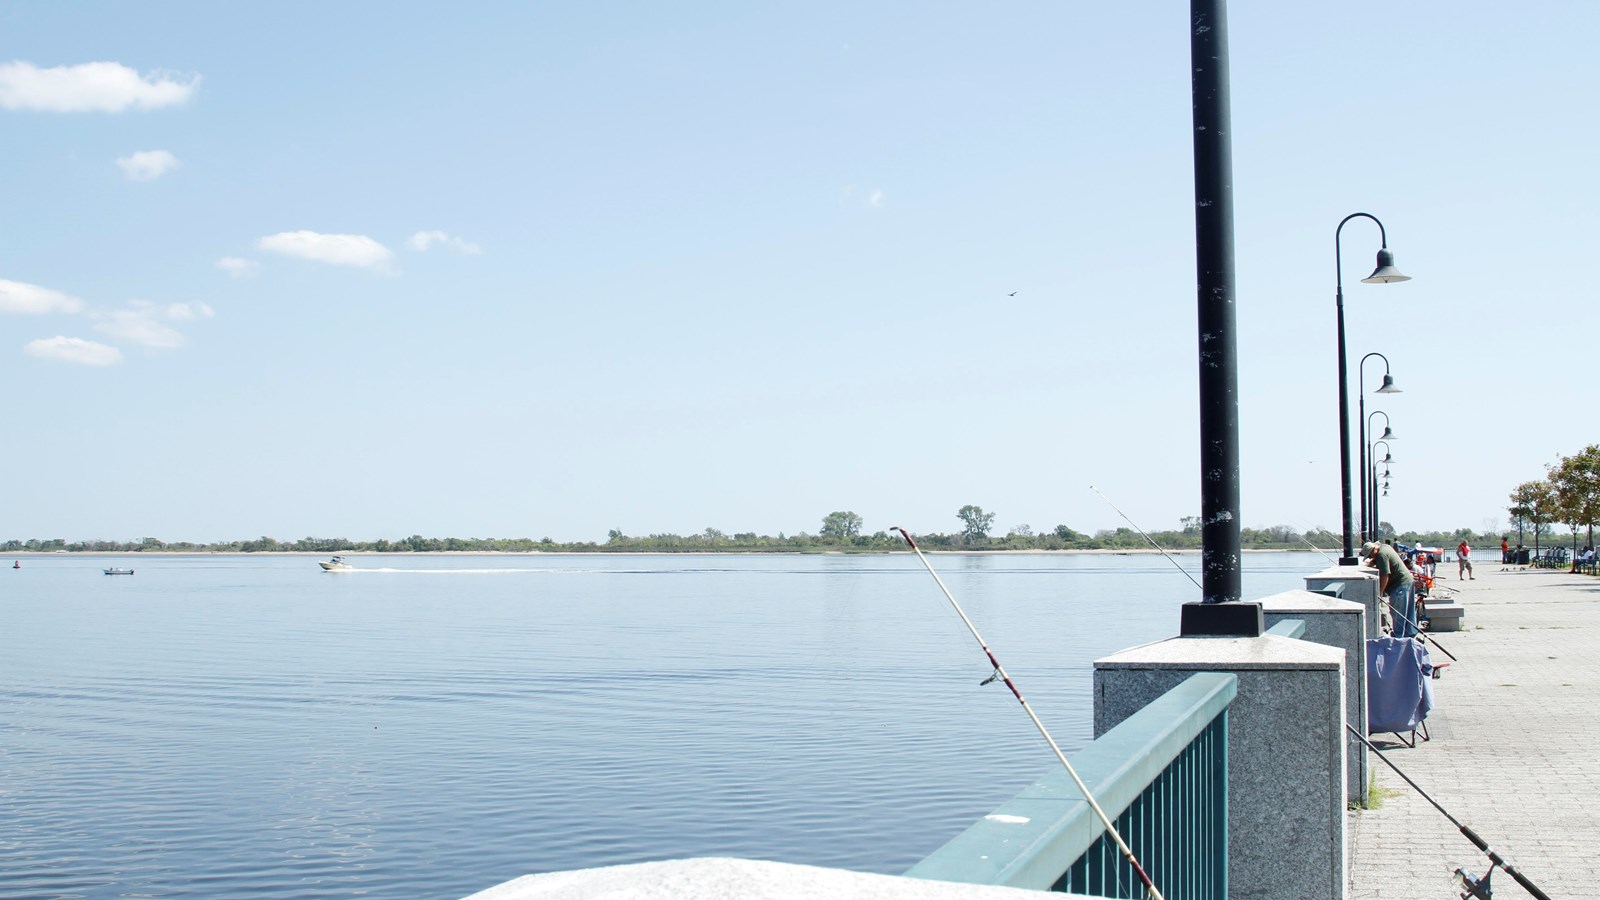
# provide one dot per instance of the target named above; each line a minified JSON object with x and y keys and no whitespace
{"x":337,"y":564}
{"x":116,"y":571}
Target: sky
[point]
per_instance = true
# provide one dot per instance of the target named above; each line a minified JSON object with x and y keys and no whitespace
{"x":368,"y":270}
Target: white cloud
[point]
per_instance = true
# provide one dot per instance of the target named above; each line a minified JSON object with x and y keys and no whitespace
{"x":335,"y":249}
{"x":875,"y":199}
{"x":73,"y":350}
{"x":147,"y":165}
{"x":135,"y":328}
{"x":144,"y":323}
{"x":237,"y":267}
{"x":18,"y":297}
{"x":423,"y":240}
{"x":89,"y":87}
{"x":188,"y":312}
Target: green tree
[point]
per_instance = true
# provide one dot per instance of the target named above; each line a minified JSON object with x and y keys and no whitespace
{"x":1521,"y":508}
{"x":843,"y":525}
{"x":1541,"y":508}
{"x":975,"y":523}
{"x":1575,"y":481}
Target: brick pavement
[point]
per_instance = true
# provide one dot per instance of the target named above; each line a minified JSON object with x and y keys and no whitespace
{"x":1514,"y":752}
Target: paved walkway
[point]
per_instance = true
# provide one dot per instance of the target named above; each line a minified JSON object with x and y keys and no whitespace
{"x":1515,"y":753}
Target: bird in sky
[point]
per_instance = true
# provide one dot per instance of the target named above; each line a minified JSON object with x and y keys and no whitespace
{"x":1012,"y":294}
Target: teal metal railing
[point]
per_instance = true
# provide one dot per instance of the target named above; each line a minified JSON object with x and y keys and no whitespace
{"x":1161,"y":775}
{"x":1289,"y":628}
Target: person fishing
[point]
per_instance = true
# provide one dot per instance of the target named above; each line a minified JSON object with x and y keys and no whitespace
{"x":1396,"y":584}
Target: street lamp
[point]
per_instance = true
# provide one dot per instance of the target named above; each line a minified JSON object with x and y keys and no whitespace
{"x":1361,"y":416}
{"x":1371,"y":525}
{"x":1385,"y":273}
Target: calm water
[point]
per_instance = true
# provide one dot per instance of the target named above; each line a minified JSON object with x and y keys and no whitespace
{"x":430,"y":726}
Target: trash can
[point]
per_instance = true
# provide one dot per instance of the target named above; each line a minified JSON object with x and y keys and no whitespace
{"x":1522,"y":556}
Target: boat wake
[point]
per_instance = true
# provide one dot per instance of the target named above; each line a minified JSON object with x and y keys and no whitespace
{"x":394,"y":571}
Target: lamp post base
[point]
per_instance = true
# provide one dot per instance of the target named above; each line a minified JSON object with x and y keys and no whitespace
{"x":1232,"y":619}
{"x":1349,"y":560}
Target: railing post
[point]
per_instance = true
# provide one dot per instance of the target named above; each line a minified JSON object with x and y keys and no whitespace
{"x":1286,"y":752}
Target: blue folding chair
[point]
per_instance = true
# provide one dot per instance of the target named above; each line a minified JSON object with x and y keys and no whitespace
{"x":1399,"y":688}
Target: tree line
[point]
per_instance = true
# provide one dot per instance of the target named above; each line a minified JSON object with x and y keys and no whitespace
{"x":1569,"y":495}
{"x":840,"y":531}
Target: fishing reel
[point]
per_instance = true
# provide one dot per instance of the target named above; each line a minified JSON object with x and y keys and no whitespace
{"x":1474,"y":887}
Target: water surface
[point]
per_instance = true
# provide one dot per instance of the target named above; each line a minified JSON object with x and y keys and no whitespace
{"x":428,"y":726}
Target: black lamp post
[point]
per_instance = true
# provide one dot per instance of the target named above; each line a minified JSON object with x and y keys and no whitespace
{"x":1385,"y":273}
{"x":1219,"y":610}
{"x":1361,"y":416}
{"x":1215,"y":284}
{"x":1371,"y":525}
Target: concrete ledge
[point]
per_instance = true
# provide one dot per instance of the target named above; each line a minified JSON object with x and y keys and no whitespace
{"x":1445,"y":616}
{"x":716,"y":878}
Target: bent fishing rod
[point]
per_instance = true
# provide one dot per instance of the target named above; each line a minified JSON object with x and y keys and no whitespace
{"x":1000,"y":675}
{"x":1147,"y":537}
{"x":1475,"y":887}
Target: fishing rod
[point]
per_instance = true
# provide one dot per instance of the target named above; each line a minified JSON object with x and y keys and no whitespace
{"x":1325,"y":554}
{"x":1418,"y":628}
{"x":1147,"y":538}
{"x":1000,"y":674}
{"x":1476,"y":887}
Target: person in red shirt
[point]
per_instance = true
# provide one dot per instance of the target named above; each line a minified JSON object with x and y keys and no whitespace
{"x":1463,"y":557}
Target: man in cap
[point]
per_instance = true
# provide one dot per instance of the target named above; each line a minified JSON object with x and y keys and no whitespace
{"x":1395,"y":583}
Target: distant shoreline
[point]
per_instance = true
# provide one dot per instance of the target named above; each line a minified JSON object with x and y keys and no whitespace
{"x":44,"y":554}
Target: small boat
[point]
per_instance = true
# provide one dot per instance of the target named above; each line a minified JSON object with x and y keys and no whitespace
{"x":16,"y":564}
{"x":116,"y":571}
{"x":337,"y":564}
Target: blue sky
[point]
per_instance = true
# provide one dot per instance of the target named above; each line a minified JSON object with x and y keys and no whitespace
{"x":368,"y":270}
